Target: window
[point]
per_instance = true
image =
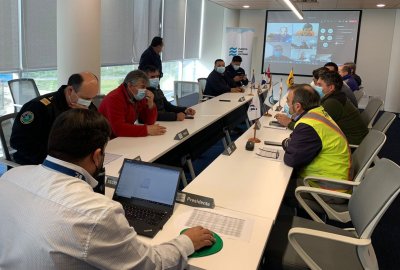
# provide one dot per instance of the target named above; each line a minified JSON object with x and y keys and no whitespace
{"x":172,"y":72}
{"x":112,"y":77}
{"x":6,"y":101}
{"x":46,"y":81}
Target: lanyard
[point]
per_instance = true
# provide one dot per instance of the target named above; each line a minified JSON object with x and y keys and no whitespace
{"x":64,"y":170}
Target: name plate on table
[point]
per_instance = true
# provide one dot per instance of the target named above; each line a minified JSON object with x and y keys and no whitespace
{"x":111,"y":181}
{"x":241,"y":99}
{"x":180,"y":135}
{"x":230,"y":149}
{"x":194,"y":200}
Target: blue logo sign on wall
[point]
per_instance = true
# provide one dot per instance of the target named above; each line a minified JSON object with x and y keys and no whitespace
{"x":233,"y":51}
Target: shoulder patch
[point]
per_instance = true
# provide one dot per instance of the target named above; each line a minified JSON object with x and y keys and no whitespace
{"x":45,"y":101}
{"x":27,"y":117}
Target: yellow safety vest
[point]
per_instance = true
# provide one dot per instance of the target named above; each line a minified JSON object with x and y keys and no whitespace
{"x":334,"y":160}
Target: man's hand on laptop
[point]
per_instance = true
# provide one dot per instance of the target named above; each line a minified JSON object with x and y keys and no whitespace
{"x":200,"y":237}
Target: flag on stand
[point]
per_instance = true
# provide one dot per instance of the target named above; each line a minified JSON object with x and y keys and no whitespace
{"x":253,"y":79}
{"x":268,"y":73}
{"x":290,"y":79}
{"x":280,"y":89}
{"x":254,"y":110}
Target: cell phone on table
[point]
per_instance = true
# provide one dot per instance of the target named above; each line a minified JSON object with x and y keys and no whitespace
{"x":189,"y":117}
{"x":275,"y":124}
{"x":272,"y":143}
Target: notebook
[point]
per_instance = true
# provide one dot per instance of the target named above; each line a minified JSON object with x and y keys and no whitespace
{"x":147,"y":193}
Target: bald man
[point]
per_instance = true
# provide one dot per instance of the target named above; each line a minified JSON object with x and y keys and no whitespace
{"x":32,"y":125}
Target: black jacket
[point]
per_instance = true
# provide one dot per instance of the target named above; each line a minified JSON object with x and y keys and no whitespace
{"x":230,"y":72}
{"x":166,"y":111}
{"x":150,"y":57}
{"x":217,"y":84}
{"x":32,"y":125}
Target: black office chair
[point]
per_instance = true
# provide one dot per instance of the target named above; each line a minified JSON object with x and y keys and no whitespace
{"x":22,"y":91}
{"x":6,"y":123}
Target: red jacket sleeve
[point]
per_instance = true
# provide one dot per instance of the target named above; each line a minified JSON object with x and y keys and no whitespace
{"x":122,"y":115}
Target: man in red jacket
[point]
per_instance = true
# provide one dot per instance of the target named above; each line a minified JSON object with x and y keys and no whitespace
{"x":130,"y":102}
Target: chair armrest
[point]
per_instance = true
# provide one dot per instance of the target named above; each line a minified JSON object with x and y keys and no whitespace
{"x":329,"y":210}
{"x":330,"y":180}
{"x":323,"y":235}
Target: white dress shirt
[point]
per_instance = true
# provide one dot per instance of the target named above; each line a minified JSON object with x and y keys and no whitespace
{"x":49,"y":220}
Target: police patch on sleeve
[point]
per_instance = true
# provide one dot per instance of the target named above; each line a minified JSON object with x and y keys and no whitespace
{"x":27,"y":117}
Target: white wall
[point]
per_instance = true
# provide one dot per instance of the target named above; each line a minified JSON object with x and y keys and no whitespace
{"x":392,"y":102}
{"x":374,"y":51}
{"x":216,"y":18}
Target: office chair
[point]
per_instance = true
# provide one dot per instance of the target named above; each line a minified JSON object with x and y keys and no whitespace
{"x":384,"y":122}
{"x":298,"y":243}
{"x":6,"y":123}
{"x":202,"y":86}
{"x":22,"y":91}
{"x":362,"y":158}
{"x":186,"y":93}
{"x":359,"y":94}
{"x":371,"y":111}
{"x":97,"y":100}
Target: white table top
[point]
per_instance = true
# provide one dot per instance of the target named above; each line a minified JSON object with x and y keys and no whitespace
{"x":244,"y":181}
{"x":152,"y":147}
{"x":235,"y":254}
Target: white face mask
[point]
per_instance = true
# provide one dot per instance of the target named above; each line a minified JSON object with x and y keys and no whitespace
{"x":236,"y":67}
{"x":84,"y":102}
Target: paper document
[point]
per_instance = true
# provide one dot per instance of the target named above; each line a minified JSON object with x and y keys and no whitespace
{"x":222,"y":223}
{"x":108,"y":158}
{"x":271,"y":153}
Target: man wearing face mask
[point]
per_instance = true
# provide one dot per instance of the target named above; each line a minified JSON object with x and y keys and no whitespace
{"x":218,"y":83}
{"x":317,"y":146}
{"x":61,"y":223}
{"x":277,"y":55}
{"x":32,"y":125}
{"x":340,"y":108}
{"x":236,"y":73}
{"x":345,"y":88}
{"x":129,"y":103}
{"x":166,"y":111}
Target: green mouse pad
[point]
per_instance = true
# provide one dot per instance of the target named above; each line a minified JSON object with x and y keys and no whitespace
{"x":206,"y":251}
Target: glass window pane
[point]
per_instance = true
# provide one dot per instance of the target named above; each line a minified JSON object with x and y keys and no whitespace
{"x":113,"y":76}
{"x":46,"y":80}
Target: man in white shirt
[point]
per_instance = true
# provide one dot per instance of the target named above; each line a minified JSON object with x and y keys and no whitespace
{"x":52,"y":219}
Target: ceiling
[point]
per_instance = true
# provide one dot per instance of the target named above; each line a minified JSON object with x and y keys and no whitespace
{"x":308,"y":4}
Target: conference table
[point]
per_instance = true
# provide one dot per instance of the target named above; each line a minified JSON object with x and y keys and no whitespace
{"x":243,"y":185}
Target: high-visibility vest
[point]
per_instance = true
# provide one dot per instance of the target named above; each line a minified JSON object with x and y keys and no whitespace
{"x":334,"y":159}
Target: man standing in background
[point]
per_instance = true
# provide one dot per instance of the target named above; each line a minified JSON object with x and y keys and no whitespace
{"x":151,"y":56}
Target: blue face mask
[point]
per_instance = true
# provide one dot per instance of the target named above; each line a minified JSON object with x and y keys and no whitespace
{"x":140,"y":94}
{"x":220,"y":69}
{"x":286,"y":109}
{"x":318,"y":89}
{"x":154,"y":82}
{"x":277,"y":54}
{"x":235,"y":67}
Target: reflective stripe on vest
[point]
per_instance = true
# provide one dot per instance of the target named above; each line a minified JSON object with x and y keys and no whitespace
{"x":334,"y":160}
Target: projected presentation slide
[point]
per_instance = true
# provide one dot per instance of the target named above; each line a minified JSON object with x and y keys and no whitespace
{"x":323,"y":36}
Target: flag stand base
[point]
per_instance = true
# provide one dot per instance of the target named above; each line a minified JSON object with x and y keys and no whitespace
{"x":254,"y":140}
{"x":278,"y":108}
{"x":267,"y":114}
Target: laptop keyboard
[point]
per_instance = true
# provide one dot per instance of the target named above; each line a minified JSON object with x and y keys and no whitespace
{"x":150,"y":216}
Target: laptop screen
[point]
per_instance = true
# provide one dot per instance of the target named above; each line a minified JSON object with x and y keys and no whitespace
{"x":148,"y":181}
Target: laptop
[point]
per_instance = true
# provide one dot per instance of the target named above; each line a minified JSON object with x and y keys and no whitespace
{"x":147,"y":193}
